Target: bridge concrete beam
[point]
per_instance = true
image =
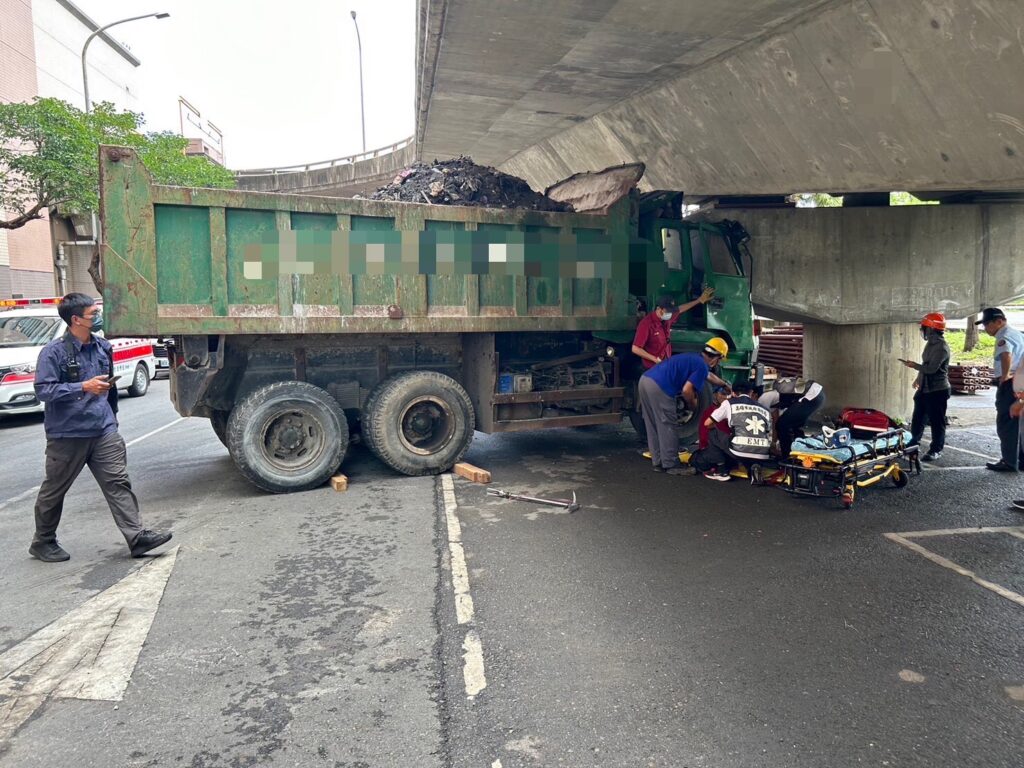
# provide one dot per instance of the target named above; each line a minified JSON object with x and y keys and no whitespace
{"x":860,"y":279}
{"x":851,"y":266}
{"x":843,"y":96}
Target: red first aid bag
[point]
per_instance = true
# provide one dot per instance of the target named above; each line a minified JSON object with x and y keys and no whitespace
{"x":865,"y":422}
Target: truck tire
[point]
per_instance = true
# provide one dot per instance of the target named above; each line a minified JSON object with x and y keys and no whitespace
{"x":288,"y":436}
{"x":632,"y":405}
{"x":219,"y":422}
{"x":140,"y":381}
{"x":418,"y":422}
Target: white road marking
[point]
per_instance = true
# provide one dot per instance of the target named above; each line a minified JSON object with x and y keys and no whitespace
{"x":20,"y":497}
{"x":932,"y":468}
{"x":156,"y":431}
{"x":473,"y":652}
{"x":904,"y":541}
{"x":972,"y":453}
{"x":473,"y":664}
{"x":1013,"y":530}
{"x":89,"y":653}
{"x":460,"y":573}
{"x":34,"y":490}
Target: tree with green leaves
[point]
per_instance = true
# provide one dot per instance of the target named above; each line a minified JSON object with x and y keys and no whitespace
{"x":49,"y":157}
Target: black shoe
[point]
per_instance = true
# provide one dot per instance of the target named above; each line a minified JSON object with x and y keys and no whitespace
{"x":681,"y":471}
{"x":48,"y":552}
{"x":1000,"y":466}
{"x":658,"y":468}
{"x":148,"y":540}
{"x":932,"y":456}
{"x":1018,"y":504}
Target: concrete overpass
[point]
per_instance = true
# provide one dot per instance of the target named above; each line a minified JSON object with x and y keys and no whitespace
{"x":732,"y":97}
{"x":358,"y":174}
{"x":756,"y":100}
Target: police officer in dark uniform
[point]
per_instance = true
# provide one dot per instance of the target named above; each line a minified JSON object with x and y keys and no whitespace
{"x":75,"y":379}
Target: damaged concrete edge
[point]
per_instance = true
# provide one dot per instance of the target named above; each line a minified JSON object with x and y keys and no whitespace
{"x":430,"y":22}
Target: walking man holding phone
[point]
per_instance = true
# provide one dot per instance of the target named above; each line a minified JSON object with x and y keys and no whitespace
{"x":75,"y":379}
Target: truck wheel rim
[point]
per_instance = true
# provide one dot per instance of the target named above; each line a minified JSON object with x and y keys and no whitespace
{"x":140,"y":378}
{"x":426,"y":425}
{"x":293,"y":440}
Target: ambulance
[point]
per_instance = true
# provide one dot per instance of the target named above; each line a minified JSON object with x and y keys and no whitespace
{"x":27,"y":325}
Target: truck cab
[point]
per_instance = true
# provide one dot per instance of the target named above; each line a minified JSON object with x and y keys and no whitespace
{"x":699,"y":254}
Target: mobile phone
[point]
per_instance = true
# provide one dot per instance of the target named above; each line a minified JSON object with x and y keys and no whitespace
{"x":112,"y":379}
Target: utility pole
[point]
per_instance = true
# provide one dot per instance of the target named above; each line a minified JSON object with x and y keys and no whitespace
{"x":362,"y":108}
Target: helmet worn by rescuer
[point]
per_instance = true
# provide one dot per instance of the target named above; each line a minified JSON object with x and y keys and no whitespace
{"x":717,"y":347}
{"x":934,"y":320}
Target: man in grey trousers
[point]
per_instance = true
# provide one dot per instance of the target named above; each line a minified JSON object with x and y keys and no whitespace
{"x":74,"y":378}
{"x":678,"y":375}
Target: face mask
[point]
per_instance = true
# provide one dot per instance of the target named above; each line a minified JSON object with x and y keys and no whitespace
{"x":924,"y":334}
{"x":97,"y":322}
{"x":666,"y":315}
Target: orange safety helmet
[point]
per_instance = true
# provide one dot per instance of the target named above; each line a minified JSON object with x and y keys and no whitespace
{"x":935,"y":320}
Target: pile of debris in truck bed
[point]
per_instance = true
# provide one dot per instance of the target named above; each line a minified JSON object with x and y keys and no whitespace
{"x":461,"y":182}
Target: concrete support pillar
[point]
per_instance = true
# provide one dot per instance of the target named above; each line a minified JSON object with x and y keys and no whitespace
{"x":858,"y":365}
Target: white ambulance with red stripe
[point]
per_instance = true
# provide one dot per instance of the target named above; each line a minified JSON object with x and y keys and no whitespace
{"x":27,"y":325}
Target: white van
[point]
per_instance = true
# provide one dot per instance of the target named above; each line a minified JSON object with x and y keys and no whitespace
{"x":27,"y":325}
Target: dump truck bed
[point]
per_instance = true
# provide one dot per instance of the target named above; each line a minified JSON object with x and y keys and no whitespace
{"x":201,"y":261}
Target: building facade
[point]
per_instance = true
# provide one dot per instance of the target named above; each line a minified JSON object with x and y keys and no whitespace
{"x":40,"y":55}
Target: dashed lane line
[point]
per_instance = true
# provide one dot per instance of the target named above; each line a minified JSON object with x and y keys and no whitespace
{"x":473,"y":673}
{"x":34,"y":490}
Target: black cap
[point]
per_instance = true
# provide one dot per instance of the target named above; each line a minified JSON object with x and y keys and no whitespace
{"x":989,"y":314}
{"x":666,"y":302}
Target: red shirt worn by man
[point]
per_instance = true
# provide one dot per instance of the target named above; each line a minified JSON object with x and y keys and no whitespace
{"x":652,"y":336}
{"x":654,"y":330}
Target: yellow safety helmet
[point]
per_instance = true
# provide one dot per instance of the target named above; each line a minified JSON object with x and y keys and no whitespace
{"x":717,"y":346}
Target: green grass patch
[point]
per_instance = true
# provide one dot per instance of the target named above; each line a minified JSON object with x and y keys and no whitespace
{"x":980,"y":355}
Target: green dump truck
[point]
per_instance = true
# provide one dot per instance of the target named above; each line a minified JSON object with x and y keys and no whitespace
{"x":299,"y":321}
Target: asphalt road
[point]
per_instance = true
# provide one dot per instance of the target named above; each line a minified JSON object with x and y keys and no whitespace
{"x":670,"y":622}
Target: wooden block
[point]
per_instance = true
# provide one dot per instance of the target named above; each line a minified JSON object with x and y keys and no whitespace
{"x":339,"y":483}
{"x":471,"y":473}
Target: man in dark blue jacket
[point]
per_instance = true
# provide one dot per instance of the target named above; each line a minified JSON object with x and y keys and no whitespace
{"x":74,"y":378}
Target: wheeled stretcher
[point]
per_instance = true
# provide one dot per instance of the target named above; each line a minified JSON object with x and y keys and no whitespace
{"x":814,"y":469}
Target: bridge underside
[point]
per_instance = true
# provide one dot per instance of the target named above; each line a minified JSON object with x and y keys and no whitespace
{"x":732,"y":97}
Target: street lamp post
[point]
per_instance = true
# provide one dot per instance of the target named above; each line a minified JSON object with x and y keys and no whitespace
{"x":61,"y":263}
{"x":362,"y":108}
{"x":85,"y":71}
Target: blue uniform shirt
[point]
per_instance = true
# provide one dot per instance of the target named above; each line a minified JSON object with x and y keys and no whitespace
{"x":1008,"y":340}
{"x":69,"y":411}
{"x":673,"y":373}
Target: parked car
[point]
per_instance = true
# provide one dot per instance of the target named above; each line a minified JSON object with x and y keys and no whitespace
{"x":163,"y":361}
{"x":26,"y":326}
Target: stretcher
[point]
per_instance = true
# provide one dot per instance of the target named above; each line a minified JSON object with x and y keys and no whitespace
{"x":815,"y":469}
